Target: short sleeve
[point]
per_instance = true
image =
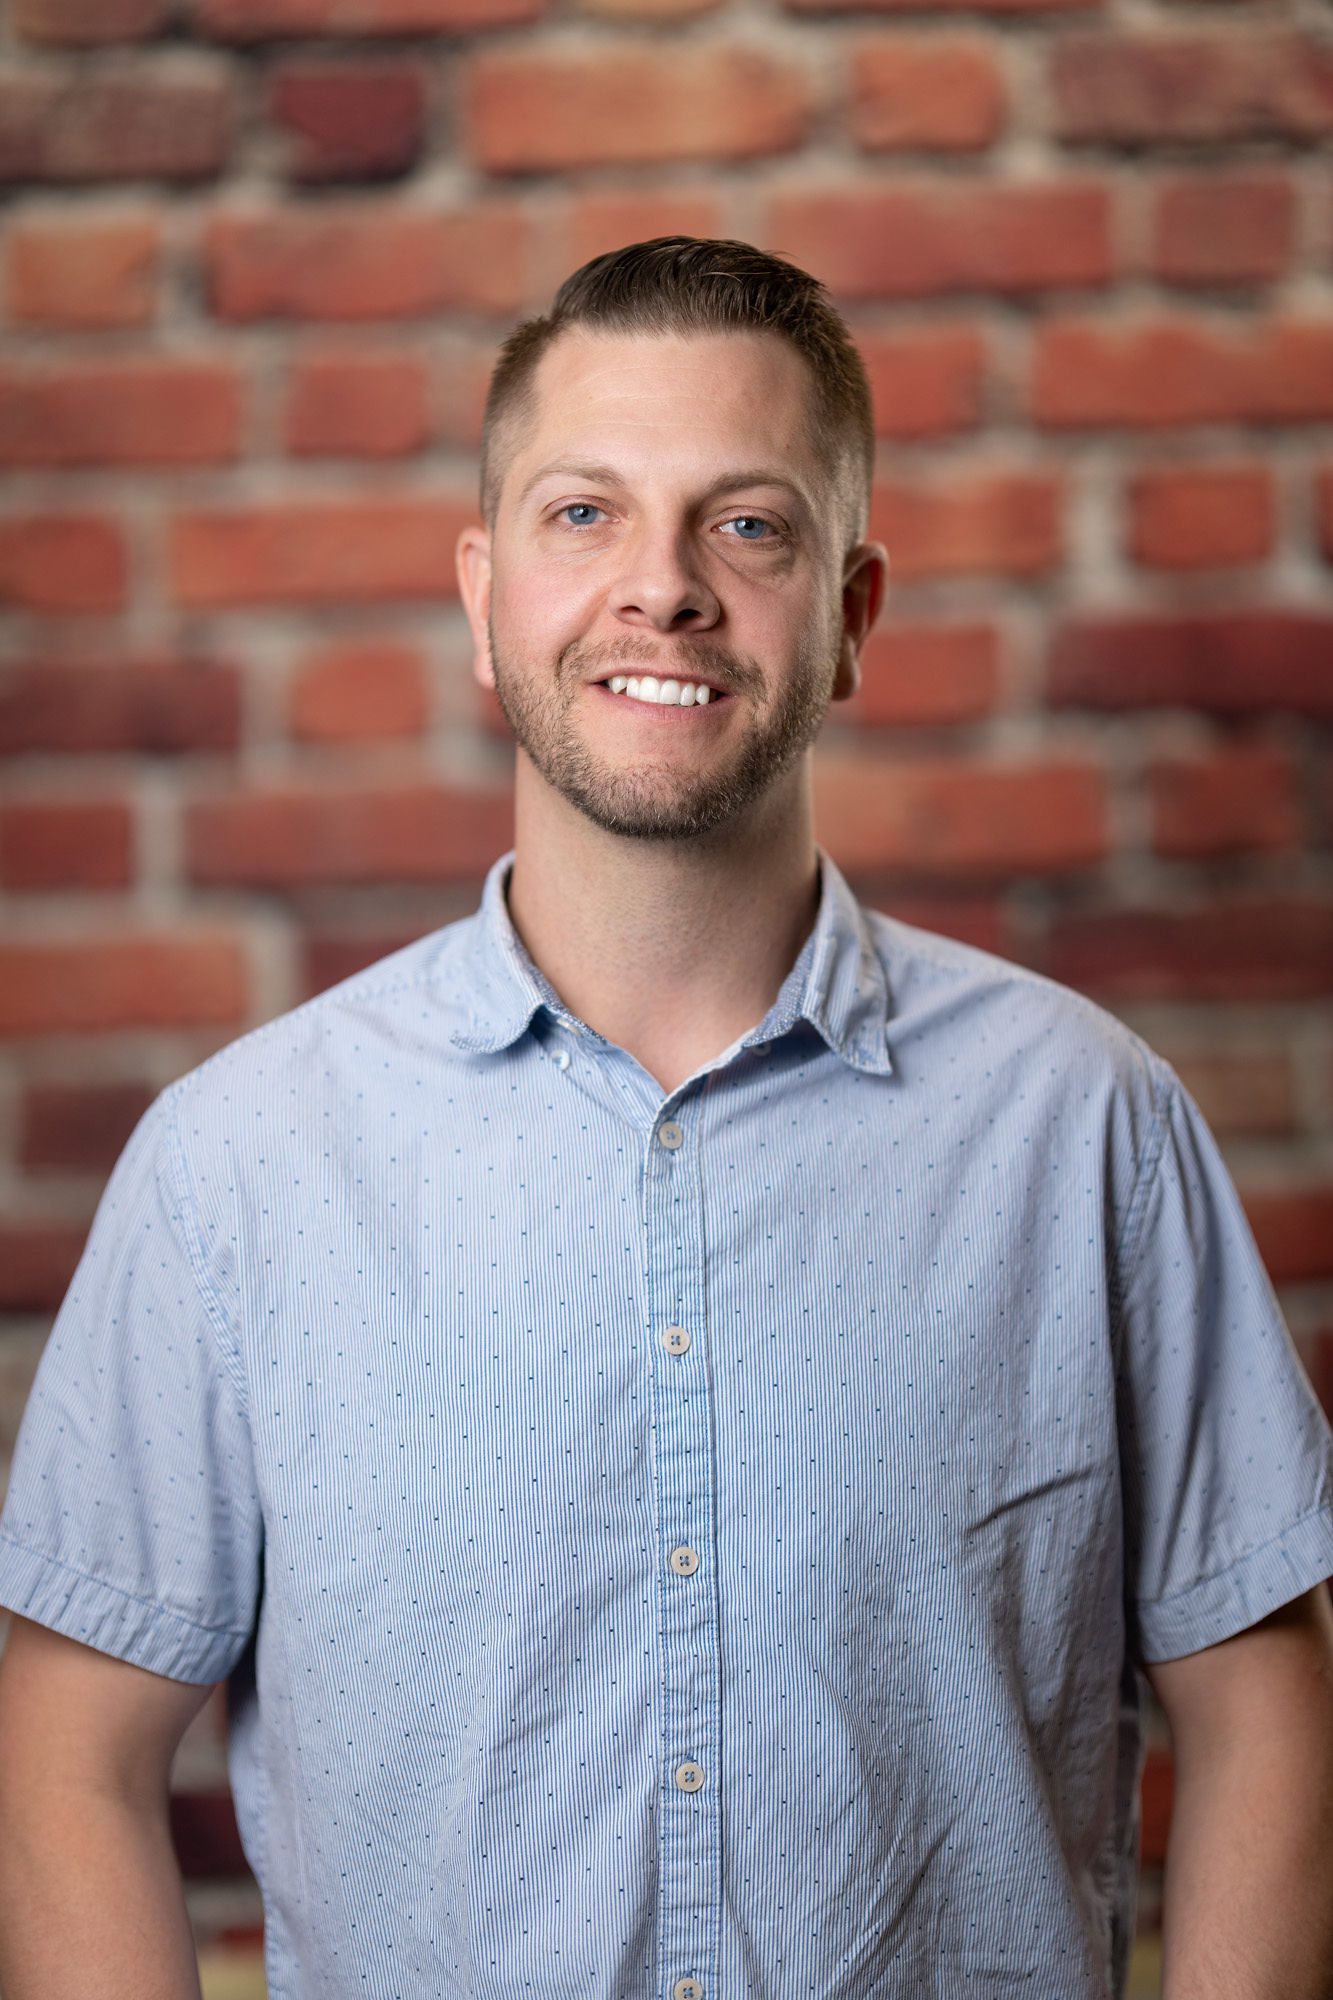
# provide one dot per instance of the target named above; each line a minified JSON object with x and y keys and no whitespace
{"x":132,"y":1521}
{"x":1226,"y":1456}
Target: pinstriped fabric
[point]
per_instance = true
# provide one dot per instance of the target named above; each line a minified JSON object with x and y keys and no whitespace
{"x":691,"y":1547}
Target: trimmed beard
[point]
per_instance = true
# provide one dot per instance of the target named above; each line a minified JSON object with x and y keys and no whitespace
{"x":657,"y":801}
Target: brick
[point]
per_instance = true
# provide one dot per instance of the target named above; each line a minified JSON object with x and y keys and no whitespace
{"x":923,"y":674}
{"x":329,"y":957}
{"x":1174,"y":372}
{"x":621,"y":105}
{"x":360,"y":691}
{"x":348,"y":551}
{"x":81,"y":707}
{"x":87,"y":23}
{"x":1146,"y":89}
{"x":38,"y":1257}
{"x":1238,"y":800}
{"x":1294,"y":1230}
{"x":1156,"y":1799}
{"x":928,"y":382}
{"x":349,"y":123}
{"x":82,"y":273}
{"x":66,"y":844}
{"x":928,"y":239}
{"x":358,"y":405}
{"x":1241,"y":1094}
{"x":648,"y":10}
{"x":462,"y":374}
{"x":951,"y":817}
{"x":270,"y":20}
{"x":599,"y":222}
{"x":297,"y":838}
{"x":366,"y":260}
{"x":78,"y":1127}
{"x":156,"y":122}
{"x":124,"y":981}
{"x":977,"y":524}
{"x":936,"y":93}
{"x":1233,"y":662}
{"x":207,"y":1844}
{"x":974,"y":920}
{"x":140,"y":412}
{"x":1324,"y":510}
{"x":1201,"y":517}
{"x":1323,"y":802}
{"x":1223,"y":229}
{"x":998,"y":7}
{"x":1236,"y":949}
{"x":1322,"y":785}
{"x":67,"y":563}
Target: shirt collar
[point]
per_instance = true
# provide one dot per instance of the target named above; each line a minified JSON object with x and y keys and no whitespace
{"x":838,"y":983}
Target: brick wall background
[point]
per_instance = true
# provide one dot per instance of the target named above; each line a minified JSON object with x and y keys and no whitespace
{"x":257,"y":257}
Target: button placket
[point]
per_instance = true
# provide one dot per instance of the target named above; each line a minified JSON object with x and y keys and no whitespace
{"x":689,"y":1824}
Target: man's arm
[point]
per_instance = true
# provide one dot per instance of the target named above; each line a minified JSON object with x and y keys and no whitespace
{"x":92,"y":1906}
{"x":1249,"y":1865}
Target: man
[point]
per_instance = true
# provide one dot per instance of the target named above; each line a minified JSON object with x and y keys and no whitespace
{"x":678,"y":1404}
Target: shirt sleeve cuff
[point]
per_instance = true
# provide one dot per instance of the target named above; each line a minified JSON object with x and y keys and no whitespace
{"x":97,"y":1614}
{"x":1239,"y":1596}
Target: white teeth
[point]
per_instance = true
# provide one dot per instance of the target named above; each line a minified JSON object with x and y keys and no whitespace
{"x":663,"y":694}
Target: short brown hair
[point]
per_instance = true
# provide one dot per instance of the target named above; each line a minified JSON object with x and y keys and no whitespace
{"x":698,"y":284}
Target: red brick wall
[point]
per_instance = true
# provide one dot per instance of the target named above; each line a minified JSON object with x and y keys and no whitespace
{"x":256,"y":259}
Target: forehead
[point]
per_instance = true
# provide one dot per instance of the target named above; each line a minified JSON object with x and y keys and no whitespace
{"x":679,"y":404}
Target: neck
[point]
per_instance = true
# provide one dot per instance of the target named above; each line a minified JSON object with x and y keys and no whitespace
{"x":672,"y":949}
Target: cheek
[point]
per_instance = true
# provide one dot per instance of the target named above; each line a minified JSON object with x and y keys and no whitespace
{"x":539,"y":607}
{"x":795,"y":630}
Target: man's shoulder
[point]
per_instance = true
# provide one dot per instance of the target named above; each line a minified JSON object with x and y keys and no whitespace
{"x":414,"y":989}
{"x":986,"y":1008}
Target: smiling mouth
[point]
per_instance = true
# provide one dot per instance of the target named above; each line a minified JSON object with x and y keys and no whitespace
{"x":651,"y":691}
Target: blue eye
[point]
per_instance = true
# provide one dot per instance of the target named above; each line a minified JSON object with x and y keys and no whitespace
{"x":766,"y":532}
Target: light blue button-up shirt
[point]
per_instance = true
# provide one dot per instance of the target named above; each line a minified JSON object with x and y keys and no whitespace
{"x":694,"y":1546}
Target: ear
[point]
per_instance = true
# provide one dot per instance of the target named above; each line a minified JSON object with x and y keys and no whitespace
{"x":472,"y":560}
{"x":865,"y":588}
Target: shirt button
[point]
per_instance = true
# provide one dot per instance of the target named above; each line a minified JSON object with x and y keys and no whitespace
{"x":675,"y":1340}
{"x":684,"y":1561}
{"x":561,"y":1058}
{"x":689,"y":1777}
{"x":670,"y":1135}
{"x":688,"y":1988}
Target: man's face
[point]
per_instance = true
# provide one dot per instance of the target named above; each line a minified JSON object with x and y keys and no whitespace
{"x":665,"y":515}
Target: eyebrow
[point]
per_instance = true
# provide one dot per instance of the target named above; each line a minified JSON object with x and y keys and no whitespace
{"x":727,"y":482}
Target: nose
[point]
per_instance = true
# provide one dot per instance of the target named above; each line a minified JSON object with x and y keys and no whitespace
{"x":661,"y":585}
